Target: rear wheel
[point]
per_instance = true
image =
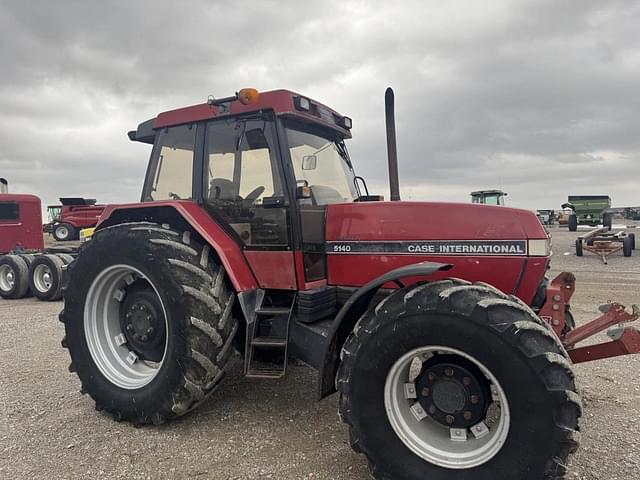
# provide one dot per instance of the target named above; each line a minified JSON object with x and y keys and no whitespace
{"x":607,"y":220}
{"x":14,"y":277}
{"x":64,"y":231}
{"x":45,"y":277}
{"x":463,"y":382}
{"x":632,"y":236}
{"x":627,"y":246}
{"x":148,"y":321}
{"x":573,"y":222}
{"x":579,"y":251}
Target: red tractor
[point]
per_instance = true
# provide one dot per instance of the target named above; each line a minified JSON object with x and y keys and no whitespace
{"x":74,"y":214}
{"x":451,"y":352}
{"x":25,"y":266}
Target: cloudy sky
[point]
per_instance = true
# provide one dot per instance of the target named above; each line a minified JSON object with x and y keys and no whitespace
{"x":540,"y":98}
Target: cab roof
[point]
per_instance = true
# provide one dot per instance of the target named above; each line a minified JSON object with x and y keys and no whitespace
{"x":282,"y":102}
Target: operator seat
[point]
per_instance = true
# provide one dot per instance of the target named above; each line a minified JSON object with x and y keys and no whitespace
{"x":222,"y":189}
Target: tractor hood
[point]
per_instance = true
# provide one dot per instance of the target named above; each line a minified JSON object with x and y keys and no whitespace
{"x":416,"y":221}
{"x":506,"y":247}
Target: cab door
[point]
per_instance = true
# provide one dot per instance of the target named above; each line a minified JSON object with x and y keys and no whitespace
{"x":245,"y":192}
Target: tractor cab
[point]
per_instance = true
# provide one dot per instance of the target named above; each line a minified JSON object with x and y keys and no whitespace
{"x":53,"y":212}
{"x":265,"y":176}
{"x":488,"y":197}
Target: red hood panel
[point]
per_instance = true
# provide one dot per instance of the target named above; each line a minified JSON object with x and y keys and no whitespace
{"x":430,"y":221}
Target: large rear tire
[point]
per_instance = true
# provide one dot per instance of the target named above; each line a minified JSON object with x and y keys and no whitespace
{"x":573,"y":222}
{"x":14,"y":277}
{"x":413,"y":428}
{"x":163,"y":301}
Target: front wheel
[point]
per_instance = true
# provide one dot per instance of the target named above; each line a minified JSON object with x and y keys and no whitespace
{"x":64,"y":231}
{"x":148,"y":321}
{"x":573,"y":222}
{"x":454,"y":381}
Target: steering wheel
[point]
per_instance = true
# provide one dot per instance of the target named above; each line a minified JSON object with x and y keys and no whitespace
{"x":253,"y":195}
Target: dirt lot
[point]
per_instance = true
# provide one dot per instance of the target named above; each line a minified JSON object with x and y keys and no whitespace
{"x":252,"y":429}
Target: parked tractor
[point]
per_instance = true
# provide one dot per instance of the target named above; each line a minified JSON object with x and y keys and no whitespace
{"x":451,"y":352}
{"x":488,"y":197}
{"x":26,"y":267}
{"x":74,"y":214}
{"x":589,"y":210}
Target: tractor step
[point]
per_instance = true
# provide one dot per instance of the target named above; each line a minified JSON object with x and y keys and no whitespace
{"x":273,"y":311}
{"x":268,"y":336}
{"x":274,"y":373}
{"x":269,"y":342}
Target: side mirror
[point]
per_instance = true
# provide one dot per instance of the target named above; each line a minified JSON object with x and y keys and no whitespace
{"x":309,"y":162}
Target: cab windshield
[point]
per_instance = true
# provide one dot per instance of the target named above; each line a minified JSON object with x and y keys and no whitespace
{"x":322,"y":163}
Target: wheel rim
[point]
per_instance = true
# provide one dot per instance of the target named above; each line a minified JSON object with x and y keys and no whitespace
{"x":42,"y":278}
{"x":63,"y":232}
{"x":7,"y":278}
{"x":415,"y":425}
{"x":107,"y":341}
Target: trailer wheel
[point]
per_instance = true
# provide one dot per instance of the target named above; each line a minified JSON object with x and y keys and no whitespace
{"x":14,"y":281}
{"x":446,"y":381}
{"x":632,"y":236}
{"x":45,"y":277}
{"x":27,"y":257}
{"x":573,"y":222}
{"x":627,"y":246}
{"x":65,"y":257}
{"x":148,"y":321}
{"x":607,"y":221}
{"x":579,"y":252}
{"x":64,"y":231}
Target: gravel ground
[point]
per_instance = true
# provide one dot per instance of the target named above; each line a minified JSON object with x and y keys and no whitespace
{"x":265,"y":429}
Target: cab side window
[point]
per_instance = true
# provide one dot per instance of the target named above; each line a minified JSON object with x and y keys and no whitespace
{"x":244,"y":181}
{"x":172,"y":164}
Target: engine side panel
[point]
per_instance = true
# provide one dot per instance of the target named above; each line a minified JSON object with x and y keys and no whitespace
{"x":483,"y":243}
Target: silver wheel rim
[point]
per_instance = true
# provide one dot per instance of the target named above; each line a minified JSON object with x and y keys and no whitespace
{"x":431,"y":441}
{"x":7,"y":278}
{"x":63,"y":232}
{"x":42,"y":278}
{"x":105,"y":339}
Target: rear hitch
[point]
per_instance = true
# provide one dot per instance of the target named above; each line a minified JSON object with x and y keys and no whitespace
{"x":625,"y":340}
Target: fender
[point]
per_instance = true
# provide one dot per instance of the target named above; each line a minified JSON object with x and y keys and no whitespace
{"x":354,"y":308}
{"x":187,"y":214}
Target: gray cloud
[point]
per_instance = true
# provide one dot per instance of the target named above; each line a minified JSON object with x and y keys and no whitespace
{"x":539,"y":97}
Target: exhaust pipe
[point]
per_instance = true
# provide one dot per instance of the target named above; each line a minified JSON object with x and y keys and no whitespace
{"x":4,"y":185}
{"x":392,"y":152}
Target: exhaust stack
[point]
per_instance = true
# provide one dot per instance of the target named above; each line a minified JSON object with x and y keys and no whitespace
{"x":4,"y":185}
{"x":392,"y":153}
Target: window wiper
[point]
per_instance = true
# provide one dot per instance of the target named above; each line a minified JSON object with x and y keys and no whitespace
{"x":154,"y":187}
{"x":342,"y":150}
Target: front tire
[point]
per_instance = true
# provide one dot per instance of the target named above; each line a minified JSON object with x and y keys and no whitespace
{"x":163,"y":301}
{"x":514,"y":360}
{"x":64,"y":232}
{"x":573,"y":222}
